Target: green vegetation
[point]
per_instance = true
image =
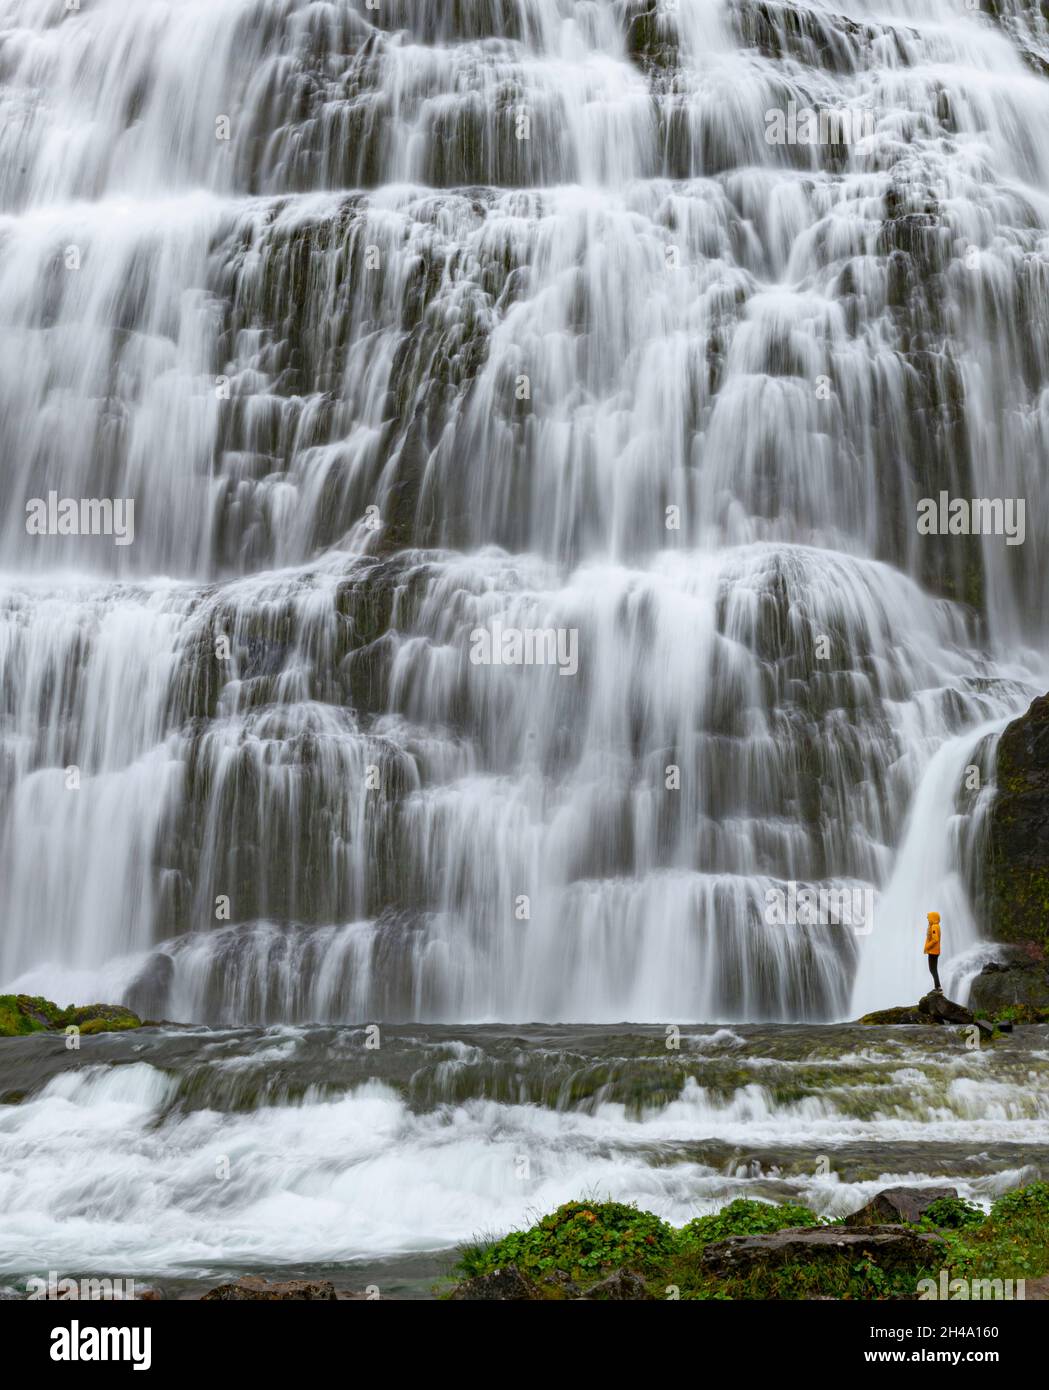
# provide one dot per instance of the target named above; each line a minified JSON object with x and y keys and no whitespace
{"x":951,"y":1213}
{"x":745,"y":1218}
{"x":583,"y":1242}
{"x":1011,"y":1243}
{"x":581,"y":1239}
{"x":1021,"y":1013}
{"x":21,"y":1014}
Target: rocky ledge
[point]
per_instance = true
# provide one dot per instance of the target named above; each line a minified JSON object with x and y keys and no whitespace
{"x":930,"y":1009}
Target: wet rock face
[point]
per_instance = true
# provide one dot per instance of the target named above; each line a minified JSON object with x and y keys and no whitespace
{"x":148,"y":994}
{"x":937,"y":1008}
{"x":1018,"y":860}
{"x":896,"y":1204}
{"x":1022,"y":979}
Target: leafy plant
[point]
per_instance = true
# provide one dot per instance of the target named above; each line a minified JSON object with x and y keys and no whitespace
{"x":579,"y":1238}
{"x":746,"y":1218}
{"x":951,"y":1213}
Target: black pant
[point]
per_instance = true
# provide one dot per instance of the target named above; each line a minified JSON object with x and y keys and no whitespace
{"x":934,"y":969}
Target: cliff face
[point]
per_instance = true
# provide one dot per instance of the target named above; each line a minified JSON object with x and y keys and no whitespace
{"x":1018,"y":852}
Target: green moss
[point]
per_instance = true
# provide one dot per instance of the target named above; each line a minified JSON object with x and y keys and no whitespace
{"x":109,"y":1025}
{"x":21,"y":1014}
{"x":1021,"y":1013}
{"x":26,"y":1013}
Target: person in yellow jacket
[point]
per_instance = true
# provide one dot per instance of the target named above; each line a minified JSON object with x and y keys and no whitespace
{"x":932,"y":950}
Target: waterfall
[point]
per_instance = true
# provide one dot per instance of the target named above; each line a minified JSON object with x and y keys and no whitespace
{"x":340,"y":338}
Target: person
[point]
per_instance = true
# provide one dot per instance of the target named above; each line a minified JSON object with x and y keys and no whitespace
{"x":932,"y":950}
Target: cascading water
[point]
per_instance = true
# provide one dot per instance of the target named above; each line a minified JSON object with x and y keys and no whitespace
{"x":403,"y":322}
{"x":508,"y":313}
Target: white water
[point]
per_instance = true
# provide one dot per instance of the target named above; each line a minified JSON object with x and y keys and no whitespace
{"x":247,"y":260}
{"x":158,"y":1190}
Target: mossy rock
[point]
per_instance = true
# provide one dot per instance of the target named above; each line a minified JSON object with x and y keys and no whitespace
{"x":110,"y":1025}
{"x":100,"y":1018}
{"x":26,"y":1013}
{"x":901,"y":1014}
{"x":22,"y":1014}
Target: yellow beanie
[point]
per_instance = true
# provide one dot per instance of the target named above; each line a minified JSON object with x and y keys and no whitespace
{"x":934,"y":916}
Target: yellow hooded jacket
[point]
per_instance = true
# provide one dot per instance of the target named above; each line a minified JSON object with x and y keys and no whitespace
{"x":932,"y":936}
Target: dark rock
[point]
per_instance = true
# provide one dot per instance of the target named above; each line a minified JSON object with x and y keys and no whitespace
{"x":562,"y":1284}
{"x":931,"y":1009}
{"x":1005,"y":1027}
{"x":897,"y":1204}
{"x":148,"y":993}
{"x":252,"y":1289}
{"x":943,"y":1010}
{"x":623,"y":1284}
{"x":651,"y":38}
{"x":1017,"y":900}
{"x":891,"y":1248}
{"x":985,"y":1026}
{"x":501,"y":1286}
{"x":1018,"y":980}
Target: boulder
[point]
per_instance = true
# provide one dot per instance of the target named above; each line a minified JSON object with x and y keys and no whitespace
{"x":943,"y":1010}
{"x":894,"y":1249}
{"x":897,"y":1204}
{"x":501,"y":1286}
{"x":931,"y":1009}
{"x":101,"y":1018}
{"x":1020,"y":979}
{"x":252,"y":1289}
